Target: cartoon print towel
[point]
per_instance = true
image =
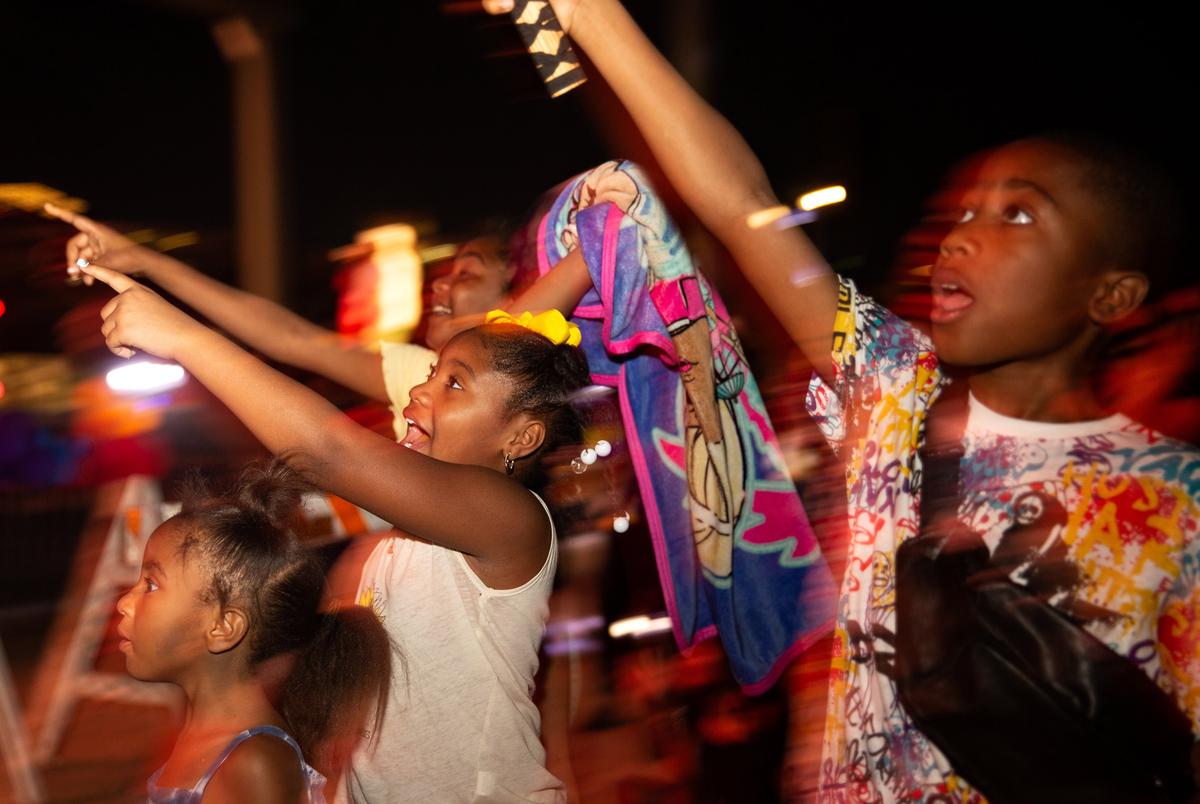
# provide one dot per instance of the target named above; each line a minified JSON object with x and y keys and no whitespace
{"x":736,"y":555}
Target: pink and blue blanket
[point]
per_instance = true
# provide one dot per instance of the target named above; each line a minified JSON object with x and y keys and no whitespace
{"x":736,"y":555}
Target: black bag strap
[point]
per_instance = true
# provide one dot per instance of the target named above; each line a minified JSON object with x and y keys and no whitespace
{"x":970,"y":648}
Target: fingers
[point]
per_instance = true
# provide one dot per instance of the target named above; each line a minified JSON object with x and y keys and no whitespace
{"x":115,"y":280}
{"x":81,"y":222}
{"x":108,"y":329}
{"x":108,"y":309}
{"x":55,"y":211}
{"x":497,"y":6}
{"x":118,"y":350}
{"x":80,"y":247}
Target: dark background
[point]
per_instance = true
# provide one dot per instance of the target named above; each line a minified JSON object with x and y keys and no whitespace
{"x":430,"y":110}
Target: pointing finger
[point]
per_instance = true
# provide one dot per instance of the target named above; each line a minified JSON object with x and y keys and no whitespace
{"x":81,"y":222}
{"x":108,"y":309}
{"x":114,"y":279}
{"x":55,"y":211}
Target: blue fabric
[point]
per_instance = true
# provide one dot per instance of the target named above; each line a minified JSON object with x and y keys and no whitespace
{"x":736,"y":555}
{"x":180,"y":795}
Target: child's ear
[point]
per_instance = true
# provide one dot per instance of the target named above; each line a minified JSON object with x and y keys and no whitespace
{"x":227,"y":630}
{"x":527,"y":439}
{"x":1118,"y":294}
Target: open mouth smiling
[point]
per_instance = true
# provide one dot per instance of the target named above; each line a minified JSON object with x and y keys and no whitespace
{"x":417,"y":437}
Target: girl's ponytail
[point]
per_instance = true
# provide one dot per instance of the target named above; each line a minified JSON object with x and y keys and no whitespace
{"x":338,"y":686}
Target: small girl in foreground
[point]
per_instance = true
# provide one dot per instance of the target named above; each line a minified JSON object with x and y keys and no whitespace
{"x":465,"y":595}
{"x":227,"y":609}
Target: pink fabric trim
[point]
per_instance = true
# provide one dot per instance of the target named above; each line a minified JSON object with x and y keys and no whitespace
{"x":608,"y":270}
{"x":799,"y":646}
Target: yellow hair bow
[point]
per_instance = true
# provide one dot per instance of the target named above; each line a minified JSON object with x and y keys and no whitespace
{"x":549,"y":324}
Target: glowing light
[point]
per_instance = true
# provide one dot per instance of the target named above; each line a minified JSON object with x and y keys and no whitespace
{"x":399,"y":278}
{"x":439,"y":252}
{"x":822,"y":198}
{"x":31,"y":197}
{"x":757,"y":220}
{"x":2,"y":307}
{"x":3,"y":390}
{"x":639,"y":626}
{"x":145,"y":378}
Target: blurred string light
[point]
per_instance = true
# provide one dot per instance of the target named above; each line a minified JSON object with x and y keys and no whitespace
{"x":639,"y":626}
{"x":145,"y":377}
{"x":782,"y":216}
{"x":822,"y":198}
{"x":31,"y":197}
{"x":441,"y":251}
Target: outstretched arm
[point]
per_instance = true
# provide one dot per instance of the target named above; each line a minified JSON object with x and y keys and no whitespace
{"x":710,"y":165}
{"x":415,"y":493}
{"x":264,"y":325}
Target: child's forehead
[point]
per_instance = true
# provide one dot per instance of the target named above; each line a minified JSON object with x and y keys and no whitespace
{"x":1041,"y":167}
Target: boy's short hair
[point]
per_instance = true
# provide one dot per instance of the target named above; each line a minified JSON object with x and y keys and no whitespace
{"x":1139,"y":202}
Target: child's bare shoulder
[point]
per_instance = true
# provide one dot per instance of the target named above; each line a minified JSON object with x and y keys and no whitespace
{"x":263,"y":768}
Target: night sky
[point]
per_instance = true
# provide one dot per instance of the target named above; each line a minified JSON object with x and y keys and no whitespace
{"x":411,"y":108}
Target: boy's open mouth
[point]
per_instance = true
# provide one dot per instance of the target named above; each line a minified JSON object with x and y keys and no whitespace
{"x":950,"y":300}
{"x":440,"y":309}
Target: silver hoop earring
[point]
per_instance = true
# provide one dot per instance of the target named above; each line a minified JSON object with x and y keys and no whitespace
{"x":509,"y":464}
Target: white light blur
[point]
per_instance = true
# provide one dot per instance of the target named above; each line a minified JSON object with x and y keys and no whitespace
{"x":639,"y":626}
{"x":145,"y":378}
{"x":822,"y":198}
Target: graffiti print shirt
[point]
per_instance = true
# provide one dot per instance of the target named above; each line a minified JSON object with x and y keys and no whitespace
{"x":1116,"y":498}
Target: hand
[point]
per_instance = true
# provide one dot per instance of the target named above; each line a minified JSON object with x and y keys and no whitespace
{"x":138,"y":318}
{"x":563,"y":9}
{"x":96,"y":242}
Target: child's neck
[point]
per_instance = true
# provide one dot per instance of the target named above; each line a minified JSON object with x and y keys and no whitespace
{"x":1037,"y":392}
{"x":226,"y":702}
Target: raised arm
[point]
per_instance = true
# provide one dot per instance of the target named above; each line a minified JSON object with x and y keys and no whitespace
{"x":711,"y":167}
{"x":263,"y":325}
{"x":417,"y":494}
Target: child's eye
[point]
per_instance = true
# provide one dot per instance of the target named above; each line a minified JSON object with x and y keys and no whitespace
{"x":1017,"y":215}
{"x":151,"y":586}
{"x":454,"y":383}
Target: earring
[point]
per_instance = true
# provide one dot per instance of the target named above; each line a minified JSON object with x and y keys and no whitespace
{"x":509,"y":464}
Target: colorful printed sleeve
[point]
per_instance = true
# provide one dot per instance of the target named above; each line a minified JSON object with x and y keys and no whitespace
{"x":881,"y":363}
{"x":1179,"y":632}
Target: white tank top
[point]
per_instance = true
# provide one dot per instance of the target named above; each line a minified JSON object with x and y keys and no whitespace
{"x":460,"y":725}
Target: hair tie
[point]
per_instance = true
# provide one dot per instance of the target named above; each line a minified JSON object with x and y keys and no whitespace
{"x":550,"y":325}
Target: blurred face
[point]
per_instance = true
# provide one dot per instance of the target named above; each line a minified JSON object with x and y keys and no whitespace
{"x":477,"y":282}
{"x":458,"y":415}
{"x":163,"y":620}
{"x":1013,"y":279}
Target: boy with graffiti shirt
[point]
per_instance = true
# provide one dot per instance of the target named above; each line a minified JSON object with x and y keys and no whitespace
{"x":1051,"y":247}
